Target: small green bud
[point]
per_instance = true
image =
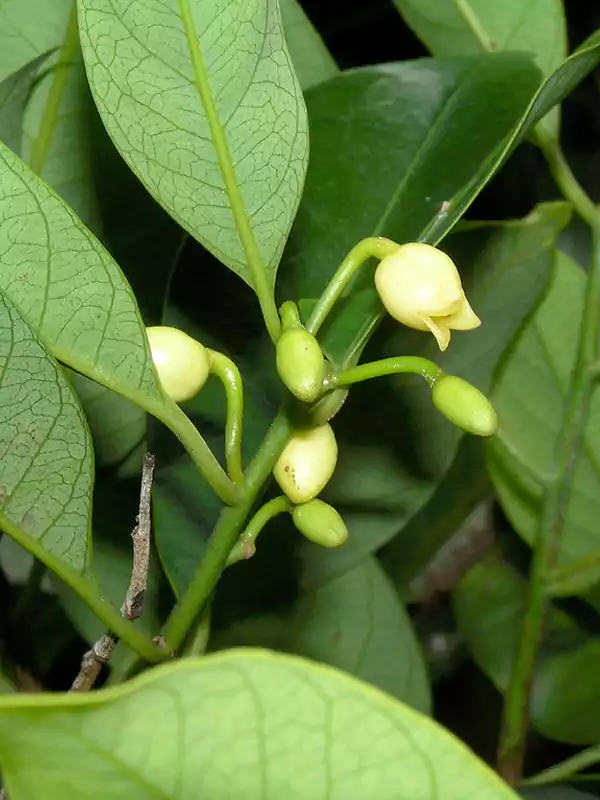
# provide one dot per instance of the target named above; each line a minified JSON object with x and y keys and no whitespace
{"x":320,"y":523}
{"x":182,"y":363}
{"x":300,"y":363}
{"x":464,"y":405}
{"x":307,"y":463}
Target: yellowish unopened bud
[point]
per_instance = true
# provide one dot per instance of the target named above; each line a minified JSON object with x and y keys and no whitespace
{"x":182,"y":363}
{"x":421,"y":288}
{"x":321,"y":523}
{"x":300,"y":363}
{"x":464,"y":406}
{"x":307,"y":463}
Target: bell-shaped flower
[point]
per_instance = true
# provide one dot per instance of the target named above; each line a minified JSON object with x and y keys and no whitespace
{"x":421,"y":288}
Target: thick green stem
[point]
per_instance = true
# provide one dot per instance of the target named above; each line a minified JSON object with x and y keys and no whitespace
{"x":200,"y":453}
{"x":246,"y":543}
{"x":373,"y":247}
{"x":387,"y":366}
{"x":224,"y":537}
{"x":230,"y":377}
{"x":552,"y":517}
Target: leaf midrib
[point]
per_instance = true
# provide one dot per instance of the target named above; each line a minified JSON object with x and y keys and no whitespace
{"x":218,"y":136}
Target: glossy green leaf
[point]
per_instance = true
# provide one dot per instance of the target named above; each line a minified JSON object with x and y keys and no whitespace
{"x":297,"y":730}
{"x":555,"y":793}
{"x":57,"y":133}
{"x":14,"y":91}
{"x":529,"y":394}
{"x":565,"y":700}
{"x":357,"y":623}
{"x":69,"y":289}
{"x":29,"y":28}
{"x":46,"y":462}
{"x":449,"y":28}
{"x":226,"y":144}
{"x":311,"y":59}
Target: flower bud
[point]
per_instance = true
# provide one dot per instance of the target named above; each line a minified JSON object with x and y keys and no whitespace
{"x":182,"y":363}
{"x":464,"y":405}
{"x":321,"y":523}
{"x":300,"y":363}
{"x":421,"y":288}
{"x":307,"y":463}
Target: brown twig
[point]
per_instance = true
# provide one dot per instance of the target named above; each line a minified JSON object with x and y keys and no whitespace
{"x":133,"y":605}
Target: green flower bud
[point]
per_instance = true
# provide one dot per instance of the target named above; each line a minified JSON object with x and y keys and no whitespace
{"x":320,"y":523}
{"x":182,"y":363}
{"x":307,"y":463}
{"x":464,"y":405}
{"x":300,"y":363}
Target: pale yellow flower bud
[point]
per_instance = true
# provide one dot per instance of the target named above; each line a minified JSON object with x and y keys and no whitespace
{"x":421,"y":288}
{"x":307,"y":463}
{"x":182,"y":363}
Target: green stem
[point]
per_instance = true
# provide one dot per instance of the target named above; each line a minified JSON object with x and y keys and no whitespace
{"x":245,"y":547}
{"x":224,"y":537}
{"x":566,"y":769}
{"x":564,"y":177}
{"x":554,"y":504}
{"x":88,"y":593}
{"x":230,"y":377}
{"x":387,"y":366}
{"x":177,"y":421}
{"x":372,"y":247}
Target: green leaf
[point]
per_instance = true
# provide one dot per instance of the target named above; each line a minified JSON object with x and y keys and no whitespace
{"x":297,"y":730}
{"x":14,"y":91}
{"x":312,"y":60}
{"x":357,"y":623}
{"x":118,"y":426}
{"x":69,"y":289}
{"x":555,"y":793}
{"x":565,"y":700}
{"x":226,"y":148}
{"x":578,"y":577}
{"x":459,"y":27}
{"x":29,"y":28}
{"x":46,"y":463}
{"x":529,"y":394}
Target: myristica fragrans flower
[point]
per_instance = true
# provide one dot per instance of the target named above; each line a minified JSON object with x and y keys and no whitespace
{"x":182,"y":363}
{"x":421,"y":288}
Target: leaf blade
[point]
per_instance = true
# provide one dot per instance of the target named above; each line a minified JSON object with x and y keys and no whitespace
{"x":250,"y":195}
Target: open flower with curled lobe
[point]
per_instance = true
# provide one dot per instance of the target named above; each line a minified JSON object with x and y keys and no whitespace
{"x":419,"y":286}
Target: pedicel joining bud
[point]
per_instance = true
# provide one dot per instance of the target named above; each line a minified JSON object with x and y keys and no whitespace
{"x":321,"y":523}
{"x":182,"y":363}
{"x":300,"y":363}
{"x":307,"y":463}
{"x":464,"y":406}
{"x":419,"y":286}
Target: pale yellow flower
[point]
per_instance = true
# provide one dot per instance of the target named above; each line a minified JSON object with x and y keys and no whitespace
{"x":421,"y":288}
{"x":182,"y":363}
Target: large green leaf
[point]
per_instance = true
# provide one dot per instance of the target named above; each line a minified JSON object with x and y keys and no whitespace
{"x":215,"y":131}
{"x":529,"y":394}
{"x":565,"y":701}
{"x":69,"y":289}
{"x":312,"y":60}
{"x":29,"y":28}
{"x":356,"y":622}
{"x":46,"y":462}
{"x":452,"y":28}
{"x":296,"y":731}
